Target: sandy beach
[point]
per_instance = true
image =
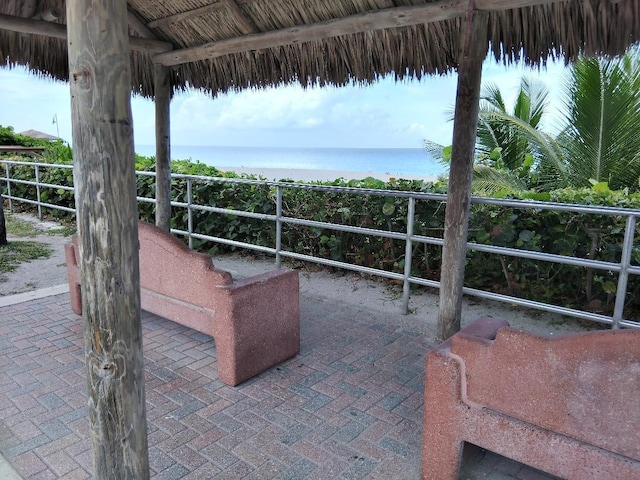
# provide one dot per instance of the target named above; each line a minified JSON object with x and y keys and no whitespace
{"x":310,"y":175}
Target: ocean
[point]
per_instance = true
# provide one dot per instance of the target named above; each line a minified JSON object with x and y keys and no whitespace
{"x":392,"y":161}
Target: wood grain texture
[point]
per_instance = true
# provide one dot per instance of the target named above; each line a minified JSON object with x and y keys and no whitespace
{"x":362,"y":22}
{"x":56,"y":30}
{"x":245,"y":24}
{"x":107,"y":220}
{"x":162,"y":83}
{"x":460,"y":175}
{"x":3,"y":225}
{"x":189,"y":14}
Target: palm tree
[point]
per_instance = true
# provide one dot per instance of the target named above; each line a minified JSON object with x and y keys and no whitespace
{"x":600,"y":142}
{"x":505,"y":151}
{"x":497,"y":128}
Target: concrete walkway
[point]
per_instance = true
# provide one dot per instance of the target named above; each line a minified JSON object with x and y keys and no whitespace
{"x":349,"y":406}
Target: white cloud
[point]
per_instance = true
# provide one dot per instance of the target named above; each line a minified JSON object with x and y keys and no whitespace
{"x":385,"y":114}
{"x":29,"y":102}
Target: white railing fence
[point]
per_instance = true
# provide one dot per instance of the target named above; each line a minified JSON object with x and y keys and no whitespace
{"x":623,"y":268}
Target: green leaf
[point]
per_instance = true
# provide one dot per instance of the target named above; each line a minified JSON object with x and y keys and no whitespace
{"x":601,"y":187}
{"x":526,"y":235}
{"x":388,"y":209}
{"x":529,"y":160}
{"x":609,"y":286}
{"x":496,"y":153}
{"x":446,"y":153}
{"x":541,"y":196}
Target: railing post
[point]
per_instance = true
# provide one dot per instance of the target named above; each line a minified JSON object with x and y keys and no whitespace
{"x":38,"y":192}
{"x":408,"y":254}
{"x":6,"y":169}
{"x":278,"y":226}
{"x":189,"y":211}
{"x":623,"y":276}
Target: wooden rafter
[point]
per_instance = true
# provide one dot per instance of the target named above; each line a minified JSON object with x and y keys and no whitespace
{"x":388,"y":18}
{"x":138,"y":25}
{"x":245,"y":23}
{"x":56,"y":30}
{"x":363,"y":22}
{"x":29,"y":8}
{"x":182,"y":16}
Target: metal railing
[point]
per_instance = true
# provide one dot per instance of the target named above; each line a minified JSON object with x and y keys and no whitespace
{"x":623,"y":268}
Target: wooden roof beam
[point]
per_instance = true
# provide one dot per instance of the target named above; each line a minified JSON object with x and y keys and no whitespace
{"x":48,"y":15}
{"x":56,"y":30}
{"x":245,"y":23}
{"x":29,"y":8}
{"x":136,"y":24}
{"x":182,"y":16}
{"x":363,"y":22}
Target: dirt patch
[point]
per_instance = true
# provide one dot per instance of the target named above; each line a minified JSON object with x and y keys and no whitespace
{"x":40,"y":272}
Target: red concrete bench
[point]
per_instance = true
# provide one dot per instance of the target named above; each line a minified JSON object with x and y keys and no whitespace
{"x":255,"y":322}
{"x":569,"y":406}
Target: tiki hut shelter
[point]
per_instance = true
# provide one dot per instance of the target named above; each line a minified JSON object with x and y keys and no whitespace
{"x":223,"y":45}
{"x":110,"y":48}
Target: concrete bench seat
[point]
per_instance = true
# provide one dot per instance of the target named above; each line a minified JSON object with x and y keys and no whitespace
{"x":255,"y":322}
{"x":569,"y":406}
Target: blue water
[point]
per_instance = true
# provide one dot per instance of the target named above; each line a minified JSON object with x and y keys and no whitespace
{"x":408,"y":161}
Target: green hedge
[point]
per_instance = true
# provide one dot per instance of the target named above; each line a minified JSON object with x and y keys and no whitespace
{"x":597,"y":237}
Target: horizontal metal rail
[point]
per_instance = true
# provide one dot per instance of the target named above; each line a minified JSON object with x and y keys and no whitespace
{"x":41,"y":184}
{"x":624,"y":268}
{"x":52,"y":206}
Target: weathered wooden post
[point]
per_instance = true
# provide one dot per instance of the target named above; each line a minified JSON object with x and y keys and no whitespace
{"x":107,"y":220}
{"x":465,"y":124}
{"x":3,"y":226}
{"x":162,"y":94}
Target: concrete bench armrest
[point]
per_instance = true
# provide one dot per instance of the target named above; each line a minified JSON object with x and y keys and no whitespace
{"x":569,"y":405}
{"x":255,"y":321}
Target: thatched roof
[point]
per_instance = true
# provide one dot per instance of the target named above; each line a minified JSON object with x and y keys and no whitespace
{"x":235,"y":44}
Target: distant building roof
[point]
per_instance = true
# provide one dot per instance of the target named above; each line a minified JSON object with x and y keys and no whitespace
{"x":37,"y":134}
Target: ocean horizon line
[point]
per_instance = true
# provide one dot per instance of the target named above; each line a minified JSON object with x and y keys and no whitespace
{"x":183,"y":145}
{"x":393,"y":161}
{"x":321,"y":175}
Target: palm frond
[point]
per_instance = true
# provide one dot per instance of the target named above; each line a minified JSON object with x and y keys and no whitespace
{"x":489,"y":181}
{"x":436,"y":151}
{"x":543,"y":146}
{"x":603,"y":115}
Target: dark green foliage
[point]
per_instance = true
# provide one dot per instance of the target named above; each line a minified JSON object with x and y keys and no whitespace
{"x":9,"y":137}
{"x":56,"y":152}
{"x":563,"y":233}
{"x":51,"y":175}
{"x":595,"y":237}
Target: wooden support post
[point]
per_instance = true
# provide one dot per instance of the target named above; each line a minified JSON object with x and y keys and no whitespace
{"x":3,"y":225}
{"x":465,"y":124}
{"x":107,"y":220}
{"x":162,"y":93}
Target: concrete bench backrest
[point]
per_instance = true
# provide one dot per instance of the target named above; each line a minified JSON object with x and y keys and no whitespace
{"x":167,"y":266}
{"x":585,"y":386}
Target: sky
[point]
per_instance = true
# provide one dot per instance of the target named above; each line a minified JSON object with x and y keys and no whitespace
{"x":387,"y":114}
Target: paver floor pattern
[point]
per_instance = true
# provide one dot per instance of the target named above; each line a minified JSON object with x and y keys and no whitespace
{"x":349,"y":406}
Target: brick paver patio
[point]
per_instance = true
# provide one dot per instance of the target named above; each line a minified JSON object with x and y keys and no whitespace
{"x":349,"y":406}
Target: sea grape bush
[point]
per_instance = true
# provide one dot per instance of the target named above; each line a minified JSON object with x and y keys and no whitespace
{"x":596,"y":237}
